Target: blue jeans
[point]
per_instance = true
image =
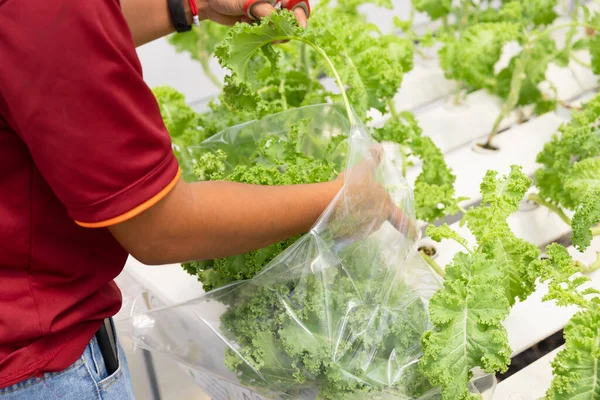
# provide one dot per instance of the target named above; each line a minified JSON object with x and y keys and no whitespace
{"x":85,"y":379}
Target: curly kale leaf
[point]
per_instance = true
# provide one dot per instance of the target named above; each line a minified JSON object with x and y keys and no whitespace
{"x":584,"y":182}
{"x":471,"y":57}
{"x":189,"y":128}
{"x":178,"y":117}
{"x":501,"y":197}
{"x":267,"y":80}
{"x":594,"y":46}
{"x":577,"y":140}
{"x":220,"y":116}
{"x":479,"y":288}
{"x":534,"y":13}
{"x":535,"y":64}
{"x":467,"y":313}
{"x":570,"y":172}
{"x":278,"y":160}
{"x":285,"y":341}
{"x":184,"y":125}
{"x":210,"y":166}
{"x":370,"y":63}
{"x":585,"y":220}
{"x":244,"y":41}
{"x":564,"y":278}
{"x":434,"y":187}
{"x":575,"y":368}
{"x":445,"y":232}
{"x":434,"y":8}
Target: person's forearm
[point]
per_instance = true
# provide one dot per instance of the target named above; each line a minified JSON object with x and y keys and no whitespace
{"x":149,"y":20}
{"x":208,"y":220}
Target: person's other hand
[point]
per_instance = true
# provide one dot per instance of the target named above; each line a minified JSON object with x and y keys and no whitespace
{"x":228,"y":12}
{"x":365,"y":204}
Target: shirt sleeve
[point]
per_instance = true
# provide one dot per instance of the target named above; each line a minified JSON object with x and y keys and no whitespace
{"x":75,"y":93}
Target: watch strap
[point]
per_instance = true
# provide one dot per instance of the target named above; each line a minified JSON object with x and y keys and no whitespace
{"x":178,"y":15}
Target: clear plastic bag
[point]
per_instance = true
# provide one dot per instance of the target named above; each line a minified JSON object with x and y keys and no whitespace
{"x":337,"y":315}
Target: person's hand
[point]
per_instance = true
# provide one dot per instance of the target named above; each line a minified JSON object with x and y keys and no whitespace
{"x":228,"y":12}
{"x":364,"y":204}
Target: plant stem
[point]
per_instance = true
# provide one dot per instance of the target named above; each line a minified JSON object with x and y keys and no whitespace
{"x":552,"y":207}
{"x":553,"y":88}
{"x":422,"y":54}
{"x":580,"y":62}
{"x":596,"y":231}
{"x":404,"y":153}
{"x":306,"y":65}
{"x":457,"y":94}
{"x":438,"y":270}
{"x":464,"y":18}
{"x":569,"y":106}
{"x":336,"y":76}
{"x":586,"y":269}
{"x":321,"y":52}
{"x":392,"y":106}
{"x":282,"y":93}
{"x":559,"y":27}
{"x":494,"y":130}
{"x":573,"y":30}
{"x":513,"y":96}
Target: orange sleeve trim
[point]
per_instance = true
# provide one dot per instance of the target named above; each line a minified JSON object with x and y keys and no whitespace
{"x":135,"y":211}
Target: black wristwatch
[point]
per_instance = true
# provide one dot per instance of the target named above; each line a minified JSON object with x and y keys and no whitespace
{"x":178,"y":15}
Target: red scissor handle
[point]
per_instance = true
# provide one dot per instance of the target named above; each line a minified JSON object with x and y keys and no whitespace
{"x":291,"y":5}
{"x":249,"y":4}
{"x":303,"y":4}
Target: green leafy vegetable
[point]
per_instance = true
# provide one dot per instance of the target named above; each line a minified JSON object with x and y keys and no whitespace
{"x":434,"y":187}
{"x":576,"y":372}
{"x":266,"y":79}
{"x":570,"y":172}
{"x":277,"y":160}
{"x":535,"y":64}
{"x":479,"y":288}
{"x":481,"y":284}
{"x":564,"y":278}
{"x":445,"y":232}
{"x":474,"y":35}
{"x":184,"y":125}
{"x":370,"y":63}
{"x":468,"y":314}
{"x":283,"y":330}
{"x":434,"y":8}
{"x":575,"y":368}
{"x":472,"y":57}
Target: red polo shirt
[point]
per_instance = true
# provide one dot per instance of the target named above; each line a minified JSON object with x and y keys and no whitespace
{"x":82,"y":146}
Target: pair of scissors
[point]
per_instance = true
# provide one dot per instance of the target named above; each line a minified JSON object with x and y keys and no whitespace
{"x":290,"y":5}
